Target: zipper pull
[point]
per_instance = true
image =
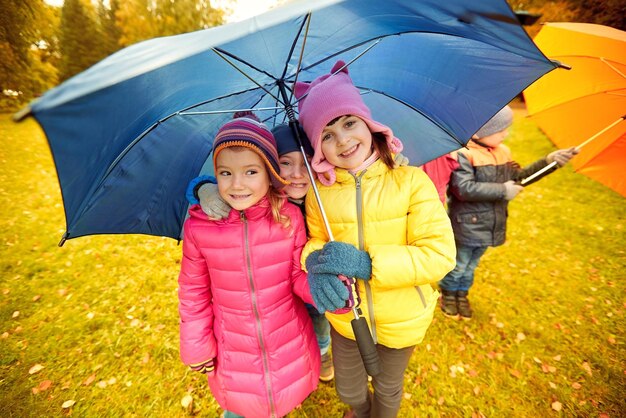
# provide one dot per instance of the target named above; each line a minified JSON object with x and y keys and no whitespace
{"x":242,"y":216}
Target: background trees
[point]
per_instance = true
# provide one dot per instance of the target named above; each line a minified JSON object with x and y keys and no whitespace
{"x":42,"y":45}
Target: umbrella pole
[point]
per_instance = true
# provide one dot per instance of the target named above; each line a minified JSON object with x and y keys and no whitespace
{"x":362,"y":334}
{"x":553,"y":165}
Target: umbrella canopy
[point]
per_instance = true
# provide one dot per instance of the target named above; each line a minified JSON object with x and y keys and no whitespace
{"x":571,"y":106}
{"x":129,"y":133}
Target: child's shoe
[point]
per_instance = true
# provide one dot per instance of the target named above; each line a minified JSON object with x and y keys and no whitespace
{"x":463,"y":305}
{"x":327,"y":372}
{"x":448,"y":303}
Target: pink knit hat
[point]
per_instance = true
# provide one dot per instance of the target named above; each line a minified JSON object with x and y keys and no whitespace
{"x":326,"y":98}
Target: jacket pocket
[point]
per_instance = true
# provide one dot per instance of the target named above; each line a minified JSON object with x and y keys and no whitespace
{"x":475,"y":217}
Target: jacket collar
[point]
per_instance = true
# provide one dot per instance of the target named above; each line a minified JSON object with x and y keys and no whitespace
{"x":378,"y":168}
{"x":261,"y":209}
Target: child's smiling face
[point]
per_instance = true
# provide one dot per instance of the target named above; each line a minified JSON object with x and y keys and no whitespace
{"x":347,"y":142}
{"x":242,"y":178}
{"x":293,"y":169}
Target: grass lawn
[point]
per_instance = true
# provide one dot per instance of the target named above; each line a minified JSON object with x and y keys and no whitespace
{"x":91,"y":329}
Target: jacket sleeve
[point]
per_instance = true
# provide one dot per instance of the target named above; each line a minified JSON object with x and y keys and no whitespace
{"x":298,"y":276}
{"x":531,"y":169}
{"x":464,"y":186}
{"x":317,"y":232}
{"x":430,"y":251}
{"x":195,"y":304}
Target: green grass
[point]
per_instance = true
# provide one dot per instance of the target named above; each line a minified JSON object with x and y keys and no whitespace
{"x":100,"y":313}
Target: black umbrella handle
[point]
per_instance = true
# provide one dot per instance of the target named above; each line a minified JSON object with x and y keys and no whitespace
{"x":366,"y":345}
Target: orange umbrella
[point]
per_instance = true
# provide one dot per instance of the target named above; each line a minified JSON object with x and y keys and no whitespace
{"x":586,"y":101}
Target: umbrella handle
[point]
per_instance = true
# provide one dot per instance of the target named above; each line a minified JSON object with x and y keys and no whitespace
{"x":366,"y":345}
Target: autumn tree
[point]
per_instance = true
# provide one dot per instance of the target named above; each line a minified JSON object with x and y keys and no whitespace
{"x":26,"y":51}
{"x":80,"y":40}
{"x":139,"y":20}
{"x":109,"y":30}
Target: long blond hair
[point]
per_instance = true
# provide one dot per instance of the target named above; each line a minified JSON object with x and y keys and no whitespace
{"x":277,"y":200}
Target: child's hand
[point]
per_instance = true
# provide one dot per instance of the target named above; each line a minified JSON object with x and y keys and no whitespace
{"x":342,"y":258}
{"x":212,"y":203}
{"x":206,"y":367}
{"x":511,"y":190}
{"x":562,"y":156}
{"x":328,"y":291}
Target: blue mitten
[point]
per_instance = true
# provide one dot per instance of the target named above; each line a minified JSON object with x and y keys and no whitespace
{"x":341,"y":258}
{"x":328,"y":291}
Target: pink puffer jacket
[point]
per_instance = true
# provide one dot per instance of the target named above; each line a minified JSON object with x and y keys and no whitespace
{"x":241,"y":292}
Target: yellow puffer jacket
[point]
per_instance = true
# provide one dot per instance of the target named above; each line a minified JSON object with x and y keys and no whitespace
{"x":397,"y":217}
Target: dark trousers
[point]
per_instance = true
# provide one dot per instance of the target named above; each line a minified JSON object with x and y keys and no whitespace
{"x":351,"y":378}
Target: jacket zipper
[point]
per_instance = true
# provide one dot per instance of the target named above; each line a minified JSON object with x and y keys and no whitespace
{"x":359,"y":217}
{"x":266,"y":372}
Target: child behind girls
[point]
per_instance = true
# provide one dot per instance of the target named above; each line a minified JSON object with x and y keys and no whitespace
{"x":392,"y":234}
{"x":241,"y":289}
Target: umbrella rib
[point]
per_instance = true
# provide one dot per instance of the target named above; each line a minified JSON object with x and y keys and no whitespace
{"x":368,"y":90}
{"x":222,"y":54}
{"x":584,"y":96}
{"x":306,"y":33}
{"x":293,"y":45}
{"x":343,"y":66}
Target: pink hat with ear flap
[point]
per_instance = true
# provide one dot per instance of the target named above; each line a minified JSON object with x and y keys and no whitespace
{"x":326,"y":98}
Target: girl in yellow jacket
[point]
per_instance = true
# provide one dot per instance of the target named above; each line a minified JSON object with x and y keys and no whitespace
{"x":392,"y":234}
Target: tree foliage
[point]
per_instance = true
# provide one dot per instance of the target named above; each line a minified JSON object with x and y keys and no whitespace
{"x":27,"y":48}
{"x":80,"y":38}
{"x":139,"y":20}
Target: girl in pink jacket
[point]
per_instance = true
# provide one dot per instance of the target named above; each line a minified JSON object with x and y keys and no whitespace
{"x":241,"y":289}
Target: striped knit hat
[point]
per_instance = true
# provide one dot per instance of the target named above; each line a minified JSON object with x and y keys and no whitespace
{"x":245,"y":130}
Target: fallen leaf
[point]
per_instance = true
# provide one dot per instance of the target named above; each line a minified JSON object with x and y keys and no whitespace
{"x":603,"y":415}
{"x":520,"y":337}
{"x":434,"y":367}
{"x":187,"y":401}
{"x":441,"y":400}
{"x":552,"y":385}
{"x":557,"y":358}
{"x":4,"y":335}
{"x":35,"y":369}
{"x":576,"y":385}
{"x":407,"y":395}
{"x":586,"y":367}
{"x":537,"y":360}
{"x":612,"y":340}
{"x":68,"y":404}
{"x":36,"y":298}
{"x":45,"y":385}
{"x":89,"y":380}
{"x":552,"y":369}
{"x":557,"y":406}
{"x":101,"y":384}
{"x":15,"y":314}
{"x":146,"y":358}
{"x":476,"y":390}
{"x":515,"y":373}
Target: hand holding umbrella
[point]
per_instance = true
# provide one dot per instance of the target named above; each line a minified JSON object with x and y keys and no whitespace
{"x":561,"y":157}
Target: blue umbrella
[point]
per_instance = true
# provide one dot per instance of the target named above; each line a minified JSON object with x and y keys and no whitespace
{"x":129,"y":133}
